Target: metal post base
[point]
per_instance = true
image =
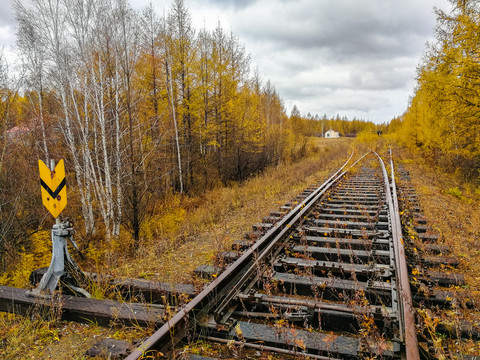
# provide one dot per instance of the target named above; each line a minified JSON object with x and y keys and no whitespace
{"x":61,"y":264}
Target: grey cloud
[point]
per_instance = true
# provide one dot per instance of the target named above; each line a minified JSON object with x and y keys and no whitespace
{"x":345,"y":28}
{"x":7,"y":27}
{"x":236,"y":4}
{"x":309,"y":67}
{"x":395,"y":73}
{"x":305,"y":92}
{"x":353,"y":103}
{"x":347,"y":55}
{"x":6,"y":13}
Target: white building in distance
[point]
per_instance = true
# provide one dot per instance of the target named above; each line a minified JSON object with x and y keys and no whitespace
{"x":332,"y":134}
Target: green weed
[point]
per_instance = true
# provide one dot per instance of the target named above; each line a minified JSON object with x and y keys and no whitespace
{"x":454,"y":192}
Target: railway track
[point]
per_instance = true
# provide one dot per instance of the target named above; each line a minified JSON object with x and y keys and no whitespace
{"x":329,"y":279}
{"x":328,"y":276}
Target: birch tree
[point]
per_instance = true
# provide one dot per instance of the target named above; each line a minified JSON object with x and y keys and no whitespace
{"x":66,"y":29}
{"x":180,"y":43}
{"x":145,"y":107}
{"x":33,"y":65}
{"x":45,"y":21}
{"x":173,"y":108}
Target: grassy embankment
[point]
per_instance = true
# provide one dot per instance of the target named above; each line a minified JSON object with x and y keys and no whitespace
{"x":186,"y":233}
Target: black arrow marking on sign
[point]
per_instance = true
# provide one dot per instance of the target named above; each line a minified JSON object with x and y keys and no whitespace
{"x":55,"y":193}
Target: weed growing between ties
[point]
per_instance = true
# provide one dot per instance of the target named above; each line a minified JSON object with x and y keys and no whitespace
{"x":289,"y":323}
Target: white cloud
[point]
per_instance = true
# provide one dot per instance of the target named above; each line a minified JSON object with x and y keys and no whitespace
{"x":7,"y":34}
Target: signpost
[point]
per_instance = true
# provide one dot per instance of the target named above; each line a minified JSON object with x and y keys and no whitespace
{"x":53,"y":187}
{"x":54,"y":197}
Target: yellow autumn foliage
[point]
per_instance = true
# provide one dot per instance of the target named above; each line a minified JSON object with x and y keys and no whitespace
{"x":37,"y":256}
{"x":441,"y":121}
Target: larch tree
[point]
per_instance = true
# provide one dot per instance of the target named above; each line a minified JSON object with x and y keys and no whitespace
{"x":442,"y":119}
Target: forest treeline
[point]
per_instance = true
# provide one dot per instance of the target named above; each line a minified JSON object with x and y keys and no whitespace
{"x":141,"y":107}
{"x":443,"y":118}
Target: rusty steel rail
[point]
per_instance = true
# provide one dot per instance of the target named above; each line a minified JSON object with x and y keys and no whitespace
{"x":226,"y":284}
{"x":408,"y":318}
{"x":408,"y":332}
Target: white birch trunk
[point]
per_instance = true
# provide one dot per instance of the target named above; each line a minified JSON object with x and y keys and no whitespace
{"x":118,"y":157}
{"x":172,"y":104}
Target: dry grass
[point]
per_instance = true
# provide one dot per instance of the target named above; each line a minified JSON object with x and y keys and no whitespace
{"x":36,"y":338}
{"x":453,"y":213}
{"x":43,"y":335}
{"x":188,"y":232}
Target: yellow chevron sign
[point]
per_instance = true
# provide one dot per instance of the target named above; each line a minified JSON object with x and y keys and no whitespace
{"x":54,"y":188}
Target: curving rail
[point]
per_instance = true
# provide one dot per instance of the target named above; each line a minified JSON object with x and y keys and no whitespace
{"x":407,"y":329}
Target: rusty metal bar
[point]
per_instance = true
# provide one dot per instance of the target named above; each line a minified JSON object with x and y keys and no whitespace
{"x":406,"y":310}
{"x":411,"y":341}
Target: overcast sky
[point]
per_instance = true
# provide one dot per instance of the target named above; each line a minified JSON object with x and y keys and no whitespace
{"x":351,"y":57}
